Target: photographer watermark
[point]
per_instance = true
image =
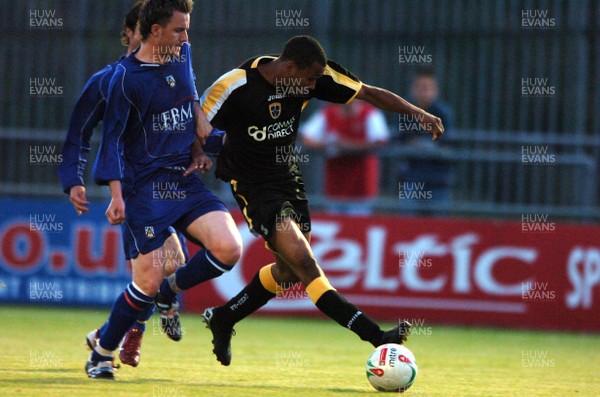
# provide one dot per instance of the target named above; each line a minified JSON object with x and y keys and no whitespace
{"x":414,"y":55}
{"x":44,"y":155}
{"x":418,"y":326}
{"x":44,"y":359}
{"x":287,"y":154}
{"x":45,"y":19}
{"x":47,"y":223}
{"x":537,"y":154}
{"x":537,"y":224}
{"x":290,"y":358}
{"x":168,"y":259}
{"x":168,"y":54}
{"x":537,"y":19}
{"x":536,"y":358}
{"x":290,"y":290}
{"x":413,"y":191}
{"x":291,"y":19}
{"x":168,"y":191}
{"x":288,"y":87}
{"x":537,"y":87}
{"x":41,"y":291}
{"x":537,"y":291}
{"x":45,"y":87}
{"x":175,"y":120}
{"x":167,"y":391}
{"x":413,"y":124}
{"x":416,"y":259}
{"x":170,"y":324}
{"x":285,"y":222}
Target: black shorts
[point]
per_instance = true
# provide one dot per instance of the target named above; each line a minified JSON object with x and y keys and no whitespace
{"x":265,"y":205}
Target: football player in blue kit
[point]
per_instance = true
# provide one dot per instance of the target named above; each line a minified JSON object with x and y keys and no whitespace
{"x":154,"y":126}
{"x":87,"y":114}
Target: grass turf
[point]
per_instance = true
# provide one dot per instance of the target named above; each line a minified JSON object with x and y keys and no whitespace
{"x":43,"y":354}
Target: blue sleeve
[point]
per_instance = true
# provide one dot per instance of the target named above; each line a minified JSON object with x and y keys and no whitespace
{"x":86,"y":115}
{"x":188,"y":53}
{"x":214,"y":143}
{"x":110,"y":160}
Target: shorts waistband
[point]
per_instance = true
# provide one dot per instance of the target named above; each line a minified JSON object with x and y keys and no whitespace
{"x":174,"y":168}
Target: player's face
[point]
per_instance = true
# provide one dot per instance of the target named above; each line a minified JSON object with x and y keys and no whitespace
{"x":174,"y":33}
{"x":308,"y":76}
{"x":134,"y":37}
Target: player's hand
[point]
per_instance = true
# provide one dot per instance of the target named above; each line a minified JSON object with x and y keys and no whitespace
{"x":200,"y":162}
{"x":434,"y":125}
{"x":116,"y":211}
{"x":77,"y":197}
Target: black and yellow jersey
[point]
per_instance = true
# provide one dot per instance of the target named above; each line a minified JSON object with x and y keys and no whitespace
{"x":261,"y":120}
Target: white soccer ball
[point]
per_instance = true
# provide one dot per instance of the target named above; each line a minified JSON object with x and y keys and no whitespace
{"x":392,"y":367}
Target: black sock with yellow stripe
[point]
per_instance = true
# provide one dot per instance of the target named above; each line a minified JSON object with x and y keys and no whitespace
{"x":334,"y":305}
{"x":256,"y":294}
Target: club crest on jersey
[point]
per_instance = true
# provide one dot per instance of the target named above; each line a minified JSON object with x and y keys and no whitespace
{"x":149,"y":231}
{"x":170,"y":80}
{"x":275,"y":109}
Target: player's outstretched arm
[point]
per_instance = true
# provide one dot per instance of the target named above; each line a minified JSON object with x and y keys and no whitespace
{"x":386,"y":100}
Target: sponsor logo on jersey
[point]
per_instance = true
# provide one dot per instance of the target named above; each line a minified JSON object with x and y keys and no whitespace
{"x":149,"y":231}
{"x":275,"y":109}
{"x":280,"y":129}
{"x":170,"y":81}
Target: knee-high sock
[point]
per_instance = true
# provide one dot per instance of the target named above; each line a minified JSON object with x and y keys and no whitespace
{"x":256,"y":294}
{"x":124,"y":312}
{"x":143,"y":317}
{"x":334,"y":305}
{"x":202,"y":267}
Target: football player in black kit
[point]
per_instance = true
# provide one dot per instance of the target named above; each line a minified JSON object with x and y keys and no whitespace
{"x":258,"y":105}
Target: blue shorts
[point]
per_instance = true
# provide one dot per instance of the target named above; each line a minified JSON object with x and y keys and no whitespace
{"x":180,"y":236}
{"x":164,"y":199}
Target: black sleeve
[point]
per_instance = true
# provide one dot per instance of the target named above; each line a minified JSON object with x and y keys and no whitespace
{"x":337,"y":84}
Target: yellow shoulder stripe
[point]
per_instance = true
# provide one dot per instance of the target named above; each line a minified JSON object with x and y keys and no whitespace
{"x":216,"y":94}
{"x":257,"y":60}
{"x":344,"y":80}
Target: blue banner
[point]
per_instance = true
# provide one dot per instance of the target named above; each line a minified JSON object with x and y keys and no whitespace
{"x":49,"y":255}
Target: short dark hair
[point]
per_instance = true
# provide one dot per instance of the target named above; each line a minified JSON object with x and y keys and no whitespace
{"x":304,"y":51}
{"x":131,"y":19}
{"x":425,"y":71}
{"x":160,"y":11}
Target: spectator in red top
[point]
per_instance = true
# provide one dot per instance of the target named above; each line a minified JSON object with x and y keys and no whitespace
{"x":349,"y":135}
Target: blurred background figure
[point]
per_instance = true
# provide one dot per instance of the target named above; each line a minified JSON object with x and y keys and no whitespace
{"x":425,"y":171}
{"x":349,"y":136}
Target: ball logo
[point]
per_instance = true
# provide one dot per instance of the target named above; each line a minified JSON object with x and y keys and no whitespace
{"x":382,"y":356}
{"x":377,"y":372}
{"x":393,"y":357}
{"x":404,"y":359}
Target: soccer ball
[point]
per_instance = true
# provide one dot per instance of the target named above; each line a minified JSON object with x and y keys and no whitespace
{"x":392,"y":367}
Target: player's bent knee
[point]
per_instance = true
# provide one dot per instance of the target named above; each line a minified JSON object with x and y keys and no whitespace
{"x":148,"y":287}
{"x":227,"y":252}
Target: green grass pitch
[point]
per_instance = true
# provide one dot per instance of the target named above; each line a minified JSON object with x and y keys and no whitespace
{"x":43,"y":354}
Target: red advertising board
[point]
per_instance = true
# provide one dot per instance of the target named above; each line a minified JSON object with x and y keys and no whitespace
{"x":531,"y":274}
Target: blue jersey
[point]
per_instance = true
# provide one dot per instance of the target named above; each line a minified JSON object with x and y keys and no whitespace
{"x":149,"y":121}
{"x":88,"y":112}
